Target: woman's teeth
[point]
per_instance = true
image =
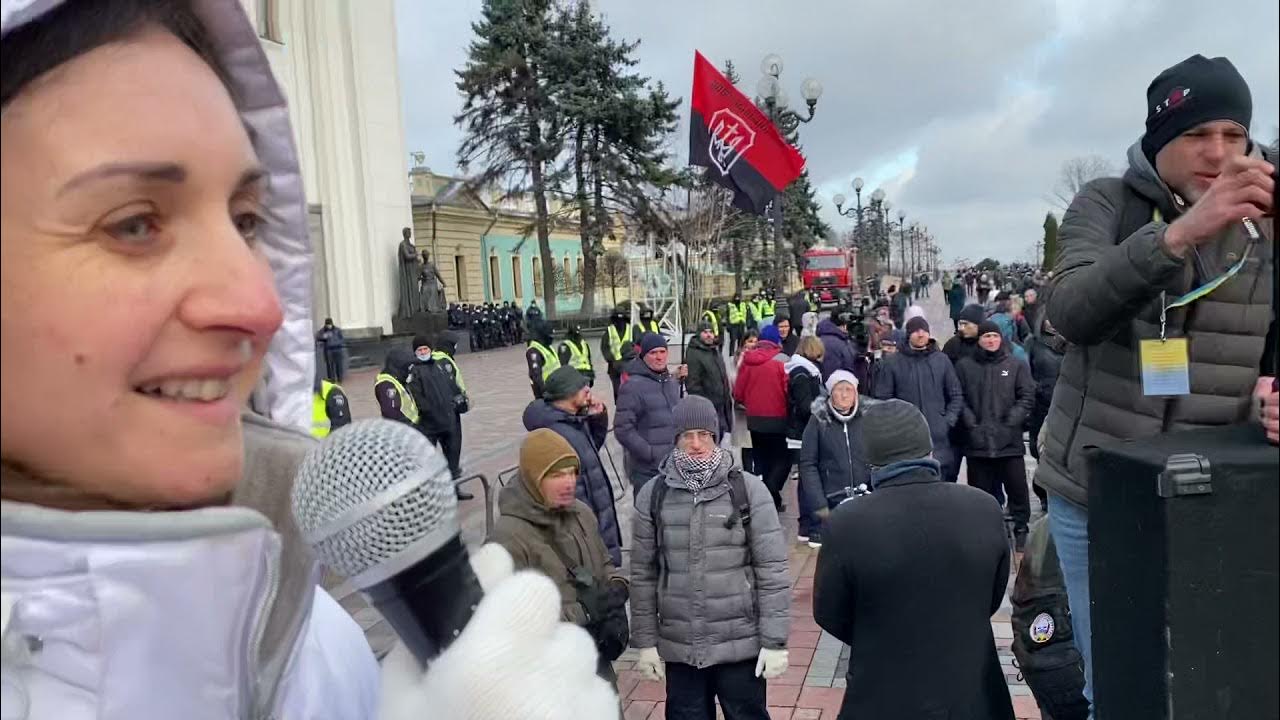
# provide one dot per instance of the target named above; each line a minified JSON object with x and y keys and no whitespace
{"x":202,"y":390}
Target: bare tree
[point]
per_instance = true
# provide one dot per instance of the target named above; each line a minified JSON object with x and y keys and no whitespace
{"x":1075,"y":174}
{"x":614,"y":273}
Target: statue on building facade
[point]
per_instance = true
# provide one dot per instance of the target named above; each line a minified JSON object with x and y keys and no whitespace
{"x":410,"y":300}
{"x":430,"y":285}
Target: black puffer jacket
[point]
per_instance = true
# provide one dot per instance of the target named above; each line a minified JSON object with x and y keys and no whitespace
{"x":831,"y":454}
{"x":643,"y":424}
{"x":925,"y":378}
{"x":434,"y":390}
{"x":998,"y":397}
{"x":587,"y":434}
{"x":1045,"y":352}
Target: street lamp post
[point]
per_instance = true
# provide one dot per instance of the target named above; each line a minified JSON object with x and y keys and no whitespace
{"x":787,"y":121}
{"x":839,"y":199}
{"x":902,"y":238}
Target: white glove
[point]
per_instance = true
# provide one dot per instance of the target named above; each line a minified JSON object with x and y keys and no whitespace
{"x":771,"y":663}
{"x":650,"y":665}
{"x":514,"y":659}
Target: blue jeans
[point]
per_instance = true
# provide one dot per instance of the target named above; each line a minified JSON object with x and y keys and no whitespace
{"x":1069,"y":525}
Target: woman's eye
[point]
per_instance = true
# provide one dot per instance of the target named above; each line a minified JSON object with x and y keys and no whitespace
{"x":135,"y":230}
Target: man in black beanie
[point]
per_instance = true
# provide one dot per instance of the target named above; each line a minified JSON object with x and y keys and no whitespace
{"x":1189,"y":210}
{"x":879,"y":551}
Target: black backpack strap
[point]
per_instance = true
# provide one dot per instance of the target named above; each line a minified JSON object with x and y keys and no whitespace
{"x":740,"y":506}
{"x":656,"y":499}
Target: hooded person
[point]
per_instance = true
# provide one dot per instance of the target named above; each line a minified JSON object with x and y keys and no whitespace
{"x":574,"y":352}
{"x":831,"y":459}
{"x":838,"y":351}
{"x":568,"y":407}
{"x":924,"y":377}
{"x":1195,"y":204}
{"x":708,"y":375}
{"x":391,"y":387}
{"x":643,"y":423}
{"x":874,"y":560}
{"x":761,"y":387}
{"x":539,"y":357}
{"x":710,"y":589}
{"x":545,"y":527}
{"x":177,"y":506}
{"x":330,"y":409}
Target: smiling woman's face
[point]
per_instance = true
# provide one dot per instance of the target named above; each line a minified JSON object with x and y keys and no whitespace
{"x":135,"y":308}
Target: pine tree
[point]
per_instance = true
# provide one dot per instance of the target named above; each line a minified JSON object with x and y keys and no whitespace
{"x":1050,"y":241}
{"x":508,"y":118}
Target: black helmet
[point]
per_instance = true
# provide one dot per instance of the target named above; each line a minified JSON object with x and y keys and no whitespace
{"x":617,"y":314}
{"x":646,"y":313}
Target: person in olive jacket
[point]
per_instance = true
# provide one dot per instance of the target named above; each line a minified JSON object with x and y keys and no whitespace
{"x":999,"y":395}
{"x":546,"y":528}
{"x":708,"y":376}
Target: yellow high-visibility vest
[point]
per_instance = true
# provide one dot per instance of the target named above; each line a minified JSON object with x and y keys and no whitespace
{"x":408,"y":407}
{"x":319,"y":416}
{"x":579,"y":355}
{"x":616,"y":343}
{"x":737,"y":313}
{"x":652,"y":327}
{"x":439,"y":355}
{"x":715,"y":321}
{"x":550,"y":361}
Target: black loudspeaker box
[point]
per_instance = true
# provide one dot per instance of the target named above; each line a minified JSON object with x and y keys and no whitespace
{"x":1183,"y":576}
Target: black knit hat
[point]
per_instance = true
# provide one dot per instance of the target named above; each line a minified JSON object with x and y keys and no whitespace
{"x":562,"y":383}
{"x":988,"y":326}
{"x":1195,"y":91}
{"x":893,"y":431}
{"x":972,"y":313}
{"x":917,"y":323}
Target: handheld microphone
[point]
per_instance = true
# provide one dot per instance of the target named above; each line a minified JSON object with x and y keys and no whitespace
{"x":376,"y":503}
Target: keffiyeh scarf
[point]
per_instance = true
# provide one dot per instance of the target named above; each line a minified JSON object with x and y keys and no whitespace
{"x":694,"y":471}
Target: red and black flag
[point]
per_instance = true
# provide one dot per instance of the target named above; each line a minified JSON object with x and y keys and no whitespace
{"x":741,"y":149}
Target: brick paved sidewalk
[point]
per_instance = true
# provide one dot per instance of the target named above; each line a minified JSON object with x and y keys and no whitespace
{"x":813,"y":688}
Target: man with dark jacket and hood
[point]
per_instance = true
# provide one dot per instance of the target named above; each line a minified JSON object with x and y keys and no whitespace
{"x":877,"y":557}
{"x":998,"y":397}
{"x":1130,"y":251}
{"x":568,"y":408}
{"x":546,"y":527}
{"x":924,"y":377}
{"x":617,"y":347}
{"x":965,"y":342}
{"x":708,"y":376}
{"x":643,"y":422}
{"x":710,"y":589}
{"x":837,"y":349}
{"x":540,"y":357}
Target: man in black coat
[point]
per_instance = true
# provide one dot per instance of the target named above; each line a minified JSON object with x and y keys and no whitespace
{"x":921,"y":375}
{"x":438,"y":397}
{"x":910,"y":576}
{"x":707,"y":374}
{"x":568,"y":408}
{"x":999,"y":395}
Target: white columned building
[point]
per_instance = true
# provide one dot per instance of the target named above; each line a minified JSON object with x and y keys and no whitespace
{"x":336,"y":63}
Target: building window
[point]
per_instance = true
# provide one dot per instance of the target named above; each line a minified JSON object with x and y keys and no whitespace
{"x":517,"y":282}
{"x":581,"y":281}
{"x":269,"y":21}
{"x":460,"y":277}
{"x":495,"y":279}
{"x":537,"y":277}
{"x":568,"y":275}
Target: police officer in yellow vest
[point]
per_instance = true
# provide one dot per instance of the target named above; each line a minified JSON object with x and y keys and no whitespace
{"x":646,"y":325}
{"x":542,"y":360}
{"x":737,"y":322}
{"x":329,"y":407}
{"x":434,"y":386}
{"x":759,"y":311}
{"x":394,"y":399}
{"x":575,"y":353}
{"x":617,"y":345}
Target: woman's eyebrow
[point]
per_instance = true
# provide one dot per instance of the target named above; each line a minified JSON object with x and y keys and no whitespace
{"x":167,"y":172}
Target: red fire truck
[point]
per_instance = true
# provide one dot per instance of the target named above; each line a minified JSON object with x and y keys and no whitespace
{"x":832,"y":273}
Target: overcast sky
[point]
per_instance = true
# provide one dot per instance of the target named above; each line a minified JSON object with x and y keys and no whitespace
{"x":962,"y":112}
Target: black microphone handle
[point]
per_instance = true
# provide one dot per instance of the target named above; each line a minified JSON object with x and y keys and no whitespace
{"x":429,"y":603}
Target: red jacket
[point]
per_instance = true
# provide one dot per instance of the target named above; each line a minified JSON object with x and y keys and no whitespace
{"x":761,"y":386}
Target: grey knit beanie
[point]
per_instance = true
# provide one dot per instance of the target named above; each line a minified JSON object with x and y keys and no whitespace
{"x":894,"y":430}
{"x":695,"y":412}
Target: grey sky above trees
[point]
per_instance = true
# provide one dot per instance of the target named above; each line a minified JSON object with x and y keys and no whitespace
{"x":964,"y":113}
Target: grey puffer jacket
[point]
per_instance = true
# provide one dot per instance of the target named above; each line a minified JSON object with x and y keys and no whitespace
{"x":1106,"y":295}
{"x":721,"y":593}
{"x":643,"y":423}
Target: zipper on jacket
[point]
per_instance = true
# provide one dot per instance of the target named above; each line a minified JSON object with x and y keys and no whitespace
{"x":254,"y":693}
{"x":848,"y":451}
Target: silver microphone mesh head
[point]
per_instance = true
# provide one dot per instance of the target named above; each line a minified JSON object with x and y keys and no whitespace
{"x":373,"y":498}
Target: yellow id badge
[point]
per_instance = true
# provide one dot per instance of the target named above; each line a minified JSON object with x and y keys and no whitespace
{"x":1166,"y":369}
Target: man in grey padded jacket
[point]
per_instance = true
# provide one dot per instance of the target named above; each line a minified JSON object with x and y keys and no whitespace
{"x":710,"y":591}
{"x":1185,"y":212}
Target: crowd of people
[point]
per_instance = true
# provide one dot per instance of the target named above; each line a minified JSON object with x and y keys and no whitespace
{"x":152,"y":566}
